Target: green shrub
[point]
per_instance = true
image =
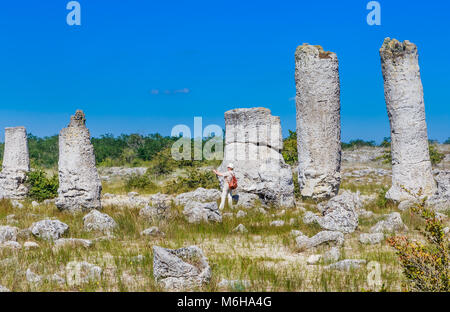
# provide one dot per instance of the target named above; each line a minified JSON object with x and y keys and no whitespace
{"x":195,"y":178}
{"x":435,"y":156}
{"x":386,"y":142}
{"x":289,"y":151}
{"x":425,"y":265}
{"x":137,"y":182}
{"x":357,"y":143}
{"x":40,"y":186}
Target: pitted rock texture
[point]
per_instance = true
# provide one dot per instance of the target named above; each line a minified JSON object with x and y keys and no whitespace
{"x":196,"y":212}
{"x":318,"y":121}
{"x":411,"y":166}
{"x":49,"y":229}
{"x":253,"y":143}
{"x":371,"y":238}
{"x":179,"y":269}
{"x":441,"y":200}
{"x":79,"y":273}
{"x":16,"y":164}
{"x":340,"y":213}
{"x":392,"y":223}
{"x":79,"y":183}
{"x":8,"y":233}
{"x":95,"y":221}
{"x":199,"y":195}
{"x":304,"y":242}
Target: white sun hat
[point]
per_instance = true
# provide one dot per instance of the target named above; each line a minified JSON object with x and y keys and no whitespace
{"x":230,"y":165}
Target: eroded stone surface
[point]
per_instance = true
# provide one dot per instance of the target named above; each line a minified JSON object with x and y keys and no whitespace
{"x":49,"y":229}
{"x":197,"y":212}
{"x":182,"y":268}
{"x":392,"y":223}
{"x":318,"y":121}
{"x":8,"y":233}
{"x":16,"y":164}
{"x":253,"y":143}
{"x":98,"y":222}
{"x":79,"y":183}
{"x":411,"y":166}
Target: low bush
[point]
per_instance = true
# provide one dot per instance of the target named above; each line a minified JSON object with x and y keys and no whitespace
{"x":40,"y":186}
{"x":195,"y":178}
{"x":137,"y":182}
{"x":425,"y":265}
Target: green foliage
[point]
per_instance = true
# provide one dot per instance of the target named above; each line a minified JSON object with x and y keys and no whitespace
{"x":435,"y":156}
{"x":425,"y":265}
{"x":289,"y":151}
{"x":40,"y":186}
{"x":140,"y":183}
{"x":386,"y":142}
{"x":357,"y":143}
{"x":43,"y":151}
{"x":194,"y":179}
{"x":2,"y":147}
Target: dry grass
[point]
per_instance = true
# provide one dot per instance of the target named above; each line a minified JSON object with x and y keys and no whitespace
{"x":266,"y":256}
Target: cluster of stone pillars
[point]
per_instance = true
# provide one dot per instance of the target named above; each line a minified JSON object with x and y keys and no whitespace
{"x":79,"y":183}
{"x":257,"y":134}
{"x":318,"y":121}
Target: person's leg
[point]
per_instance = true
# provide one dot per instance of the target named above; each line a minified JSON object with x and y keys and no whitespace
{"x":224,"y":196}
{"x":230,"y":199}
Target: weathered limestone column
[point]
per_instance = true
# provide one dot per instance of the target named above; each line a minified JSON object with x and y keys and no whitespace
{"x":403,"y":91}
{"x":79,"y":183}
{"x":16,"y":164}
{"x":253,"y":143}
{"x":318,"y":121}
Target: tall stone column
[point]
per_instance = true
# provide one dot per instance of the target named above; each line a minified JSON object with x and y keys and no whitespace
{"x":16,"y":164}
{"x":318,"y":121}
{"x":79,"y":183}
{"x":403,"y":91}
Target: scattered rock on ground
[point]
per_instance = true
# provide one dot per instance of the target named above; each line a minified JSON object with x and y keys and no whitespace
{"x":371,"y":238}
{"x":392,"y":223}
{"x":72,"y":242}
{"x":201,"y":195}
{"x":8,"y":233}
{"x":183,"y":268}
{"x":79,"y":273}
{"x":197,"y":212}
{"x":240,"y":229}
{"x":49,"y":229}
{"x":98,"y":222}
{"x":152,"y":231}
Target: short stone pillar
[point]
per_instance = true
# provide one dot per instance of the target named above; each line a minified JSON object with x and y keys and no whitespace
{"x":318,"y":121}
{"x":16,"y":164}
{"x":411,"y":166}
{"x":253,"y":143}
{"x":79,"y":183}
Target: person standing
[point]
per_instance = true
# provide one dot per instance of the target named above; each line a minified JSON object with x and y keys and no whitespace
{"x":229,"y":177}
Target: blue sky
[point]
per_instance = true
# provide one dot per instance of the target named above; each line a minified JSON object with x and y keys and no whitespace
{"x":146,"y":66}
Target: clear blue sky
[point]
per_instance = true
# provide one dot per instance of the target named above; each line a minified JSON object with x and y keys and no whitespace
{"x":145,"y":66}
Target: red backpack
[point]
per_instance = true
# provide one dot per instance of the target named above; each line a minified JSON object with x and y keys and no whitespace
{"x":233,"y":183}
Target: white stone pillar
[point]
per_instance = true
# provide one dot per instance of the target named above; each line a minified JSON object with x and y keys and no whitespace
{"x":79,"y":183}
{"x":411,"y":166}
{"x":16,"y":164}
{"x":318,"y":121}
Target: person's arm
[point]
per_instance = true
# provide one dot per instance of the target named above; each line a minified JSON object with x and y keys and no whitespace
{"x":218,"y":173}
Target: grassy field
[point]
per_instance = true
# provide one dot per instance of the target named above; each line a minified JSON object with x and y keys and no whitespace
{"x":265,"y":258}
